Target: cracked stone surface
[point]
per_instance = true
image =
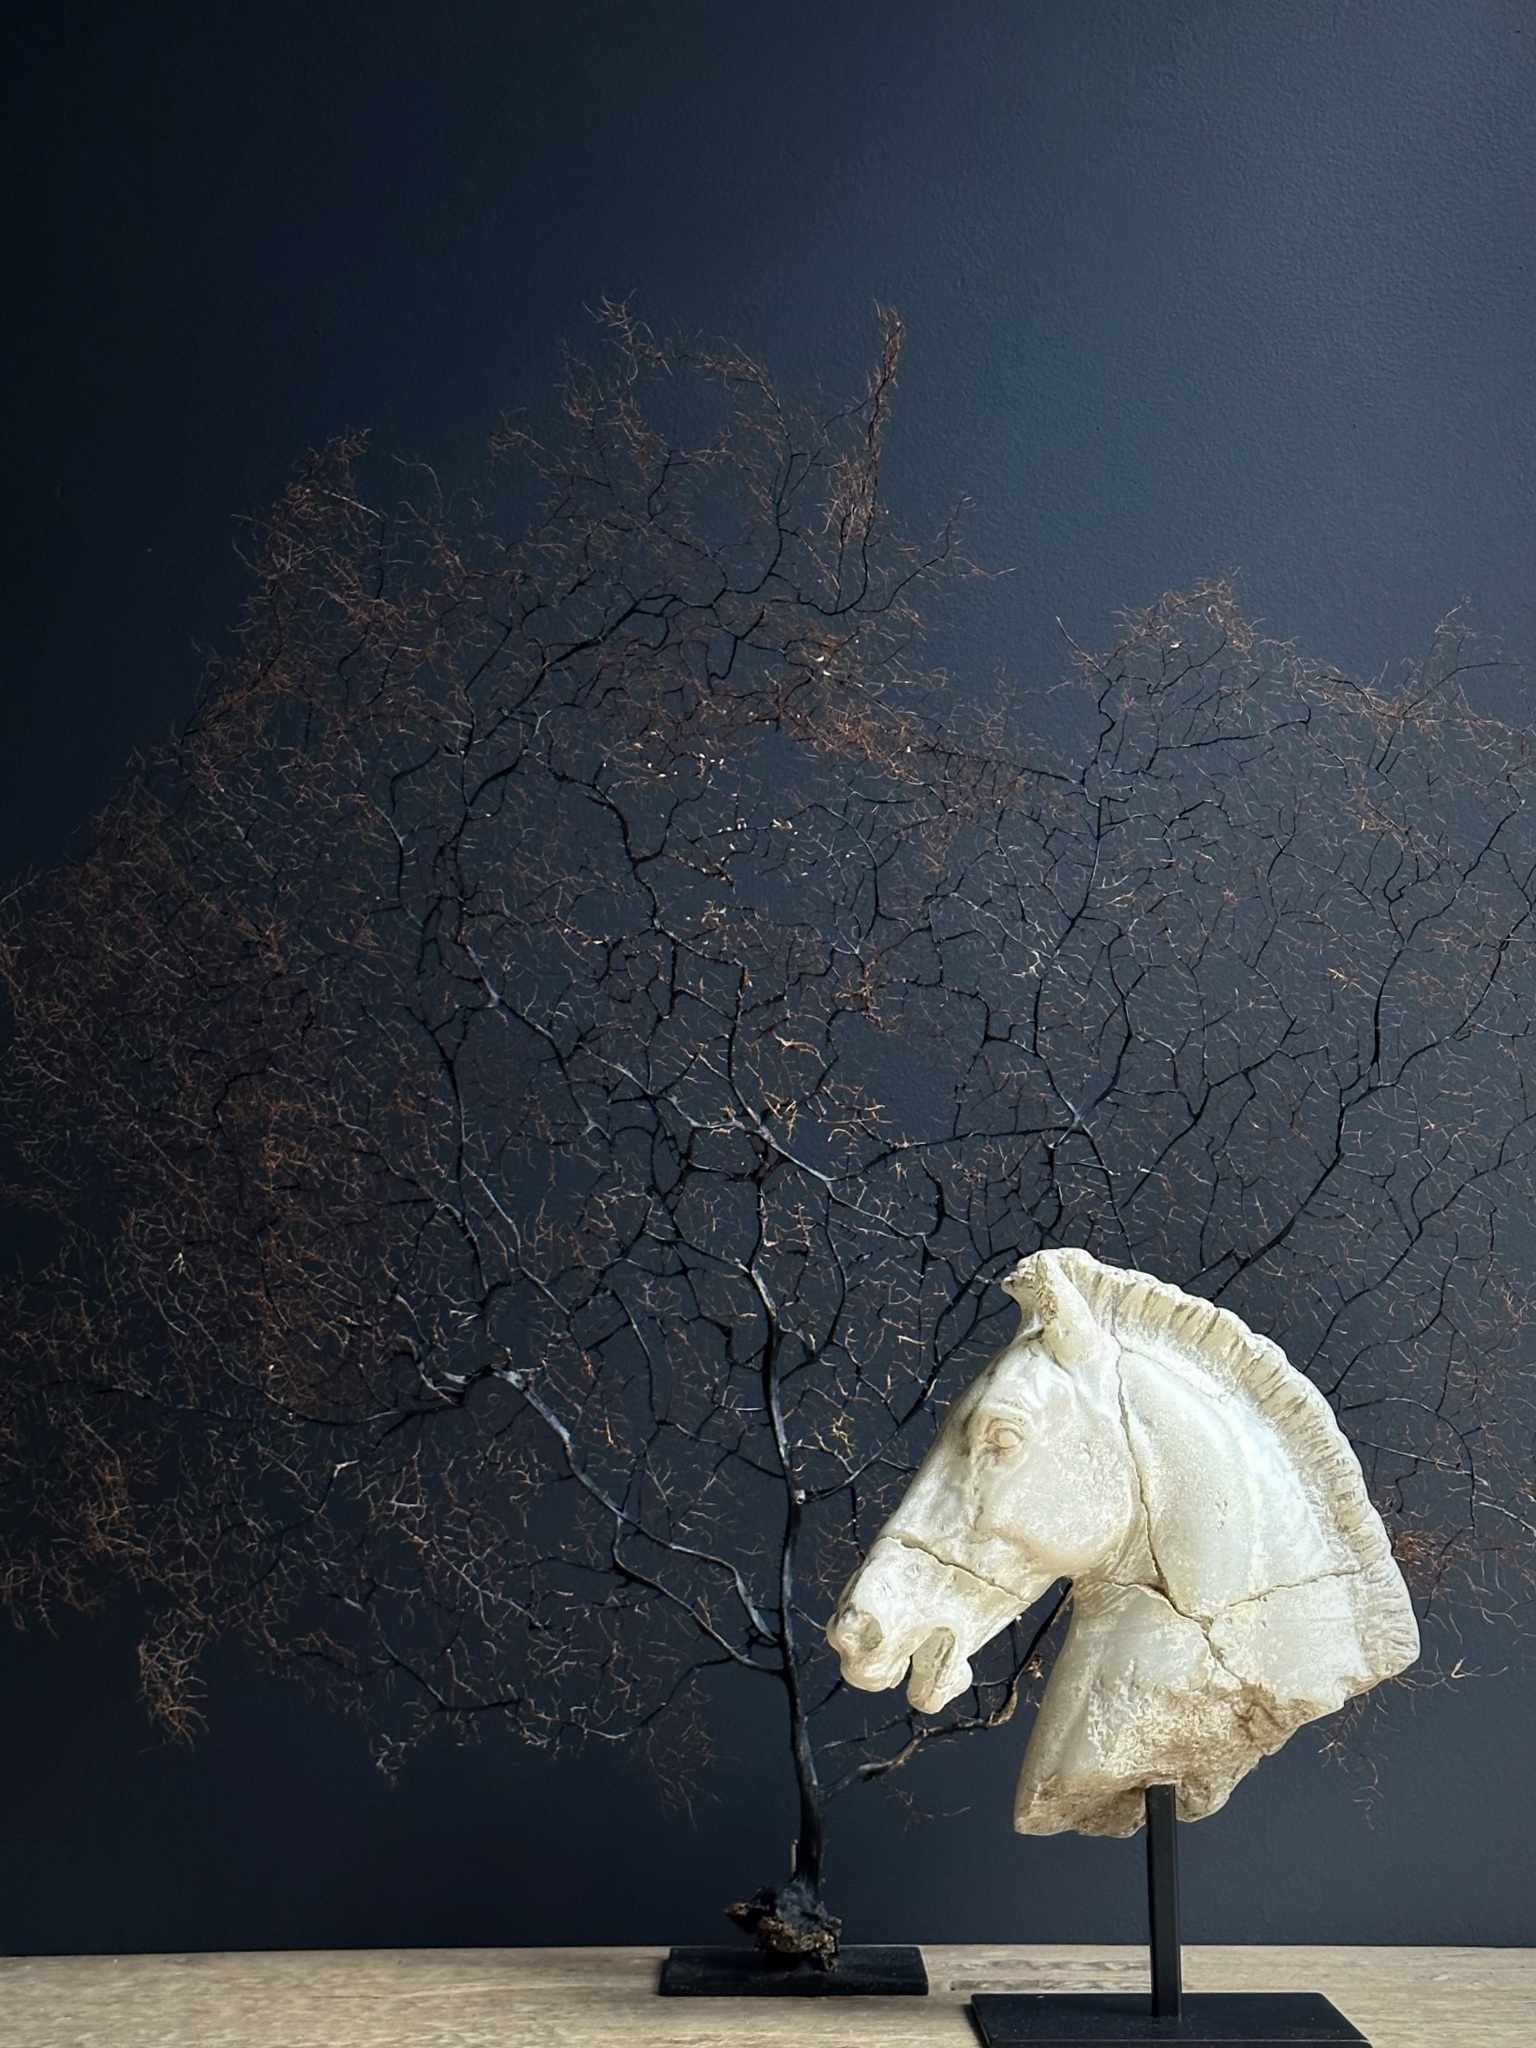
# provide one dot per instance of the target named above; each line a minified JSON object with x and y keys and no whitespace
{"x":1231,"y":1580}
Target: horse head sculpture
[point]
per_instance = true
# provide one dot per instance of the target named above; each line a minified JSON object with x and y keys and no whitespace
{"x":1230,"y":1578}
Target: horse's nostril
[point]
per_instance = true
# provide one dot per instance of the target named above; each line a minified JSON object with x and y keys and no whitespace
{"x":858,"y":1633}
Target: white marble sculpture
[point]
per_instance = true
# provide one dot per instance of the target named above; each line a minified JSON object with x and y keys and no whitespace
{"x":1230,"y":1578}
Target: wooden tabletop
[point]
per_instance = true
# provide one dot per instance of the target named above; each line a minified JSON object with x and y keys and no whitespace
{"x":605,"y":1998}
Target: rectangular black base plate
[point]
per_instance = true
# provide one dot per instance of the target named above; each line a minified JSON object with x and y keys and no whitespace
{"x":884,"y":1971}
{"x":1210,"y":2019}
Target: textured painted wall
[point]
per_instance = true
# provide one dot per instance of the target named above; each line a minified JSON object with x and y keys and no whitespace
{"x":1190,"y":287}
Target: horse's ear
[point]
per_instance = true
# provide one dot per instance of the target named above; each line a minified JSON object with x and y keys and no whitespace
{"x":1054,"y":1309}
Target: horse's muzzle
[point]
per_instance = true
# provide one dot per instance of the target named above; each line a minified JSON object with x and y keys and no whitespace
{"x":897,"y":1614}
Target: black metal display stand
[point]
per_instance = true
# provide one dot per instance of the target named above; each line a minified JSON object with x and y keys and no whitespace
{"x":877,"y":1971}
{"x":1204,"y":2019}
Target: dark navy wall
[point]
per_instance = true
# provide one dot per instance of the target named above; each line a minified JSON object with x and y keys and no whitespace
{"x":1191,"y":285}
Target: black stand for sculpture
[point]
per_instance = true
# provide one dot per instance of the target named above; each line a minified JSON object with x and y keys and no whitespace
{"x":875,"y":1971}
{"x":1204,"y":2019}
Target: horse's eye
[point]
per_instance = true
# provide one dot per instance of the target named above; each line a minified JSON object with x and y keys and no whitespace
{"x":1003,"y":1436}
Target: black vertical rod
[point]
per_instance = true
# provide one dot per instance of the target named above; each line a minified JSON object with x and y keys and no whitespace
{"x":1163,"y":1900}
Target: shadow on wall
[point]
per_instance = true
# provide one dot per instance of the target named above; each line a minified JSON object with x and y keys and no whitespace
{"x":116,"y":1841}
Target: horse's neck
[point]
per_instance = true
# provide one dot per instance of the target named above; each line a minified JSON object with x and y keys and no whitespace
{"x":1228,"y":1514}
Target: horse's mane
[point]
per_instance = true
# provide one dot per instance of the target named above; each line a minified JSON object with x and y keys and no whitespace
{"x":1136,"y":1308}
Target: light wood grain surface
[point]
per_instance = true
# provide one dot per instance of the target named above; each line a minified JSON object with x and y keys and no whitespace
{"x":605,"y":1998}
